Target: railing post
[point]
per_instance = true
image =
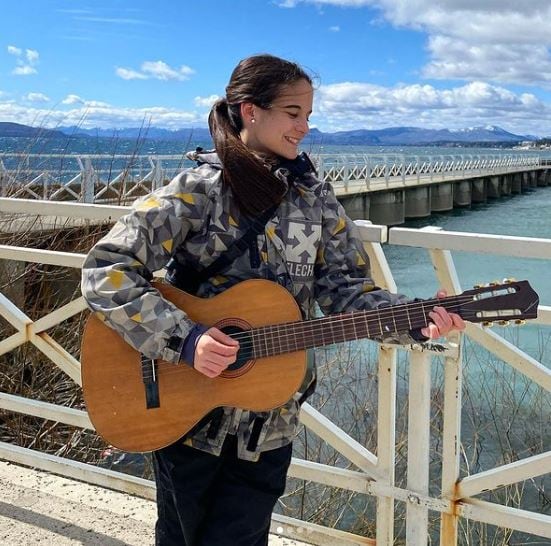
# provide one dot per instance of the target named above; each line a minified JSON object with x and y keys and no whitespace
{"x":417,"y":515}
{"x":87,"y":182}
{"x":386,"y":442}
{"x":346,"y":174}
{"x":4,"y":178}
{"x":453,"y":383}
{"x":321,"y":168}
{"x":157,"y":181}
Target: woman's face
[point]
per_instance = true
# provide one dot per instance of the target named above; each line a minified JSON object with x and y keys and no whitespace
{"x":279,"y":129}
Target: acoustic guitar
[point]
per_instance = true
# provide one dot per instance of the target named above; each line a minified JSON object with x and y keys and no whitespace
{"x":137,"y":404}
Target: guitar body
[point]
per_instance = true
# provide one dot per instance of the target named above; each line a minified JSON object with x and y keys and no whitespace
{"x":113,"y":380}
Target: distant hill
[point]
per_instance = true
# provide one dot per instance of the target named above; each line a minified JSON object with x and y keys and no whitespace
{"x":409,"y":136}
{"x":156,"y":133}
{"x":391,"y":136}
{"x":17,"y":130}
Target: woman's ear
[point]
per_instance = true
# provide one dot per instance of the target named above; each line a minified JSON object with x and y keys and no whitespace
{"x":247,"y":112}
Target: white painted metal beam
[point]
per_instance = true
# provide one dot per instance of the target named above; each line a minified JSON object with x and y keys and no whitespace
{"x":315,"y":534}
{"x":38,"y":255}
{"x":504,"y":475}
{"x":516,"y":358}
{"x":78,"y":471}
{"x":417,"y":515}
{"x":337,"y":438}
{"x":62,"y":208}
{"x":330,"y":476}
{"x":370,"y":232}
{"x":386,"y":441}
{"x":45,"y":410}
{"x":504,"y":516}
{"x":520,"y":247}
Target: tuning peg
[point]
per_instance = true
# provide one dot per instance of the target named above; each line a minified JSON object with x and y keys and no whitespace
{"x":476,"y":286}
{"x":488,"y":324}
{"x":520,"y":322}
{"x":509,"y":280}
{"x":503,"y":323}
{"x":494,"y":283}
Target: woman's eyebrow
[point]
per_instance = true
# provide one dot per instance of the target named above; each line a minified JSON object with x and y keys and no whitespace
{"x":295,"y":106}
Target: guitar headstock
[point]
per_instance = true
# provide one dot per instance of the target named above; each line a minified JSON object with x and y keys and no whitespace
{"x":510,"y":300}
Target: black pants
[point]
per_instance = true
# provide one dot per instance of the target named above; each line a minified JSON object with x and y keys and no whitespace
{"x":204,"y":500}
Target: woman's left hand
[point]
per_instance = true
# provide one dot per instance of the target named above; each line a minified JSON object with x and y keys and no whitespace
{"x":442,"y":321}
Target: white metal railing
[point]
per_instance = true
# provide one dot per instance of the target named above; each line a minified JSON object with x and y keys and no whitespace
{"x":375,"y":473}
{"x":122,"y":178}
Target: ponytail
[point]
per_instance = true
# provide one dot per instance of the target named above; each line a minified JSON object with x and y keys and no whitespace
{"x":254,"y":187}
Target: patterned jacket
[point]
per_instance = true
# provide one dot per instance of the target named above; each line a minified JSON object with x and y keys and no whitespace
{"x":309,"y":246}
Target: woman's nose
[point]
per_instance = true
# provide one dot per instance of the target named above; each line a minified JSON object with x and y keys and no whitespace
{"x":302,"y":126}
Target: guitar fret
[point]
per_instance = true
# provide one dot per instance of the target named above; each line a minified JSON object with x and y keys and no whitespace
{"x":425,"y":314}
{"x":265,"y":336}
{"x":409,"y":318}
{"x":394,"y":320}
{"x":295,"y":338}
{"x":282,"y":345}
{"x":354,"y":326}
{"x":255,"y":349}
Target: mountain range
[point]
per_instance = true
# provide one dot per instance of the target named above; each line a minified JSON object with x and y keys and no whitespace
{"x":392,"y":136}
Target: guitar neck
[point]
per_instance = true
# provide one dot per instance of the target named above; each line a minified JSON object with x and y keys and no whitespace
{"x":374,"y":324}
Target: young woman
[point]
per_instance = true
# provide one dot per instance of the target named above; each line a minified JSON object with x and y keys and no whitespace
{"x":219,"y":484}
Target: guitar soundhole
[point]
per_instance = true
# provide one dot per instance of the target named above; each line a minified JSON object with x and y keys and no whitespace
{"x":238,"y":329}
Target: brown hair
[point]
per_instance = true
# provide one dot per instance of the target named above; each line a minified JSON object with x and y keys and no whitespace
{"x":258,"y":79}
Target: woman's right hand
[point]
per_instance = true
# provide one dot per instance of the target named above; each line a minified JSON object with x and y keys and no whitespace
{"x":214,"y":352}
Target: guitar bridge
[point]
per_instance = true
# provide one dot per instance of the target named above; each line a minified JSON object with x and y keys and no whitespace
{"x":149,"y":377}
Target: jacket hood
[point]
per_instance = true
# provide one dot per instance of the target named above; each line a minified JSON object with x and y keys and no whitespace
{"x":293,"y":168}
{"x":205,"y":157}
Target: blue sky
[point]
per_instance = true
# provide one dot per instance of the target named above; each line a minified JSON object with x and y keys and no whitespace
{"x":380,"y":63}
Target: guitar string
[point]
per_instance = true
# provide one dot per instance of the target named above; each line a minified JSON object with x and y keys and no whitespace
{"x":355,"y":317}
{"x":342,"y":319}
{"x":347,"y":329}
{"x":272,"y":334}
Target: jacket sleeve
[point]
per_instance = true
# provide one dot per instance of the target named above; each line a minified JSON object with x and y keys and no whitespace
{"x":117,"y":271}
{"x":343,"y":281}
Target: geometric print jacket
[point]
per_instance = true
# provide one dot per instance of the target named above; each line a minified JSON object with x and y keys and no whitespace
{"x":309,"y":246}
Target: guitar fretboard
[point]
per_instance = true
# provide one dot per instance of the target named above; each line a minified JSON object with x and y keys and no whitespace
{"x":374,"y":324}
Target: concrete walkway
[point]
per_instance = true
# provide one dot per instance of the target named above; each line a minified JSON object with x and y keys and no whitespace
{"x":37,"y":508}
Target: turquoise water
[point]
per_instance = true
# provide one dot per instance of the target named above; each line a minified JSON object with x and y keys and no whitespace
{"x":526,"y":215}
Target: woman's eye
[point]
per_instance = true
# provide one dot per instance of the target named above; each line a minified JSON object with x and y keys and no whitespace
{"x":294,"y":116}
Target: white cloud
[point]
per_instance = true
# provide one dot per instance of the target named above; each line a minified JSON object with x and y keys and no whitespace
{"x":503,"y":41}
{"x":12,"y":50}
{"x":161,"y":71}
{"x":351,"y":105}
{"x":205,"y":102}
{"x":72,"y":99}
{"x":25,"y":66}
{"x":23,"y":70}
{"x":129,"y":74}
{"x":37,"y":97}
{"x":32,"y":55}
{"x":89,"y":114}
{"x":335,"y":29}
{"x":158,"y":70}
{"x":288,"y":3}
